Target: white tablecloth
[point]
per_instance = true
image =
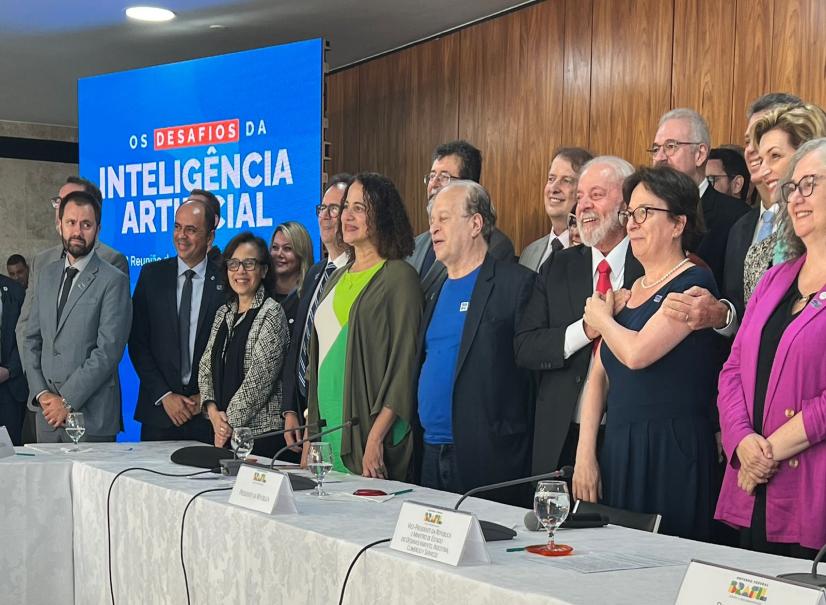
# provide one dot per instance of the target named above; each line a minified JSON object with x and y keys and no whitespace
{"x":238,"y":556}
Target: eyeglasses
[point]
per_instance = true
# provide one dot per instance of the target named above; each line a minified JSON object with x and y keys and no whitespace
{"x":670,"y":147}
{"x":332,"y":209}
{"x":355,"y":207}
{"x":249,"y":264}
{"x":55,"y":201}
{"x":806,"y":185}
{"x":443,"y":178}
{"x":572,"y":221}
{"x":713,"y":178}
{"x":639,"y":214}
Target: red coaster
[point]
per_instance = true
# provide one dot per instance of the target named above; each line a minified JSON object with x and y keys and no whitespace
{"x":560,"y":550}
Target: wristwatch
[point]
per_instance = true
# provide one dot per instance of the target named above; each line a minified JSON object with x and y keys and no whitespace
{"x":66,"y":405}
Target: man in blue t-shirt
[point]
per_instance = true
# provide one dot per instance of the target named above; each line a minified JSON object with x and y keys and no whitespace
{"x":475,"y":405}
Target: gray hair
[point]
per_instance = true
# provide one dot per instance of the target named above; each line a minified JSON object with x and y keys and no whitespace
{"x":621,"y":168}
{"x":477,"y":201}
{"x":699,"y":126}
{"x":789,"y":245}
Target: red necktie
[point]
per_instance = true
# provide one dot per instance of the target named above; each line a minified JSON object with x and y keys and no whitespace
{"x":604,"y":279}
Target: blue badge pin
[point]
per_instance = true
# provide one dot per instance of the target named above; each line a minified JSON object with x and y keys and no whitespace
{"x":658,"y":298}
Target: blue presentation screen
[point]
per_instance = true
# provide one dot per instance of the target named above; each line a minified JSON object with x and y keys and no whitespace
{"x":246,"y":126}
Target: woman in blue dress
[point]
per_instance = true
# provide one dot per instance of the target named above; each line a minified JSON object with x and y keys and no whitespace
{"x":653,"y":377}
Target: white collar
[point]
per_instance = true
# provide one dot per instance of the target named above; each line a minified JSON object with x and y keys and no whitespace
{"x":340,"y":260}
{"x":80,"y":263}
{"x":773,"y":208}
{"x":703,"y":186}
{"x":200,"y":268}
{"x":615,"y":258}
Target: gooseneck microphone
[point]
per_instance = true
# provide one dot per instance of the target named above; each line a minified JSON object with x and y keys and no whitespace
{"x":813,"y":578}
{"x":493,"y":531}
{"x":350,"y":423}
{"x":320,"y":425}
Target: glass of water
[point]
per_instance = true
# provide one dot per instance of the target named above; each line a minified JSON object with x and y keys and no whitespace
{"x":320,"y":461}
{"x":75,"y":427}
{"x":551,"y":504}
{"x":242,"y":441}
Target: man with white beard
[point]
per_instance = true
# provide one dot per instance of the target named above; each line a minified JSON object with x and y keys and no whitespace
{"x":552,"y":337}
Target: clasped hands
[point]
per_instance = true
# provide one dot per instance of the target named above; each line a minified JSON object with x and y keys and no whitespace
{"x":53,"y":409}
{"x":757,"y":465}
{"x":599,"y":308}
{"x":180,"y":408}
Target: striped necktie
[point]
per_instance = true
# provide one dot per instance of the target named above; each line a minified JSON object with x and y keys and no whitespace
{"x":304,"y":354}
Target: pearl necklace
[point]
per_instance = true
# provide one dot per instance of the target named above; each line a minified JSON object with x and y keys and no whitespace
{"x":664,"y":277}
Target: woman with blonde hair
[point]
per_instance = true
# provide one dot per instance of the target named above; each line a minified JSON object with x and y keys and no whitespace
{"x":291,"y":250}
{"x":776,"y":136}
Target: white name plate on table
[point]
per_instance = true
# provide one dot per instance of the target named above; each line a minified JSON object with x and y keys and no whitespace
{"x":6,"y":446}
{"x":262,"y":490}
{"x":440,"y":534}
{"x":707,"y":583}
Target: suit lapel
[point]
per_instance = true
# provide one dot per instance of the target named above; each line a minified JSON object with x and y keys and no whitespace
{"x":171,"y":294}
{"x":79,"y":288}
{"x":537,"y":262}
{"x":581,"y":279}
{"x":478,"y":302}
{"x":210,"y":291}
{"x":436,"y":272}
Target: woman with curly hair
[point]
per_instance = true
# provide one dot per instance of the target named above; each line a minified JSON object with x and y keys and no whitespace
{"x":363,"y":353}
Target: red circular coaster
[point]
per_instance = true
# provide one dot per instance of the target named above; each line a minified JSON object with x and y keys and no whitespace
{"x":560,"y":550}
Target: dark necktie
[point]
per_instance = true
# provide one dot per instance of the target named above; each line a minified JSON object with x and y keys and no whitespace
{"x":71,"y":272}
{"x":427,"y":261}
{"x":184,"y":313}
{"x":556,"y":246}
{"x":304,"y":354}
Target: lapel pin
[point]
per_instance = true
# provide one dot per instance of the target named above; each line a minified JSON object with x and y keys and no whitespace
{"x":658,"y":298}
{"x":211,"y":278}
{"x":821,"y":297}
{"x":816,"y":304}
{"x":219,"y":287}
{"x":5,"y":288}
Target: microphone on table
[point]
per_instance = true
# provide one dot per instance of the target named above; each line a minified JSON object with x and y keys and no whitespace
{"x":230,"y":466}
{"x":321,"y":424}
{"x":493,"y":531}
{"x":813,"y":578}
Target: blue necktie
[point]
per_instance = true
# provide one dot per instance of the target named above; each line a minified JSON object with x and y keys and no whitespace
{"x":304,"y":354}
{"x":766,"y":222}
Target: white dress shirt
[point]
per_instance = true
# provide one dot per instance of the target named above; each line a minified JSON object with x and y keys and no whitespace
{"x":763,"y":210}
{"x":564,"y":239}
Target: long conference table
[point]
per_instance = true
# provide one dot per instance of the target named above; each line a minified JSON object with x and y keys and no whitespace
{"x":53,"y":531}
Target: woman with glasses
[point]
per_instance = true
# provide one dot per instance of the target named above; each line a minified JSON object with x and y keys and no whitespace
{"x":239,"y":373}
{"x":776,"y":136}
{"x":772,"y":397}
{"x":654,"y":375}
{"x":291,"y":251}
{"x":363,"y":352}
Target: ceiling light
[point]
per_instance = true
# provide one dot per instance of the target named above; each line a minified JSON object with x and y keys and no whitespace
{"x":149,"y":13}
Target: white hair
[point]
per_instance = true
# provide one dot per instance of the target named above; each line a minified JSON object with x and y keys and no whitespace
{"x":621,"y":168}
{"x":698,"y":124}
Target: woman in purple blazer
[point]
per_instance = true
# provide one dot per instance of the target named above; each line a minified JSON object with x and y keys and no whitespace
{"x":772,"y":391}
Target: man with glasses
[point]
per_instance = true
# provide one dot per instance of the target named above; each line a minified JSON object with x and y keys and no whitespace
{"x":294,"y":372}
{"x":453,"y":160}
{"x":559,"y":197}
{"x":727,"y":172}
{"x":552,"y":337}
{"x":683,"y":141}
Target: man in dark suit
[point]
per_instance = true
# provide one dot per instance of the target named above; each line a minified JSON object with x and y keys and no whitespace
{"x":552,"y":337}
{"x":174,"y":304}
{"x":727,"y":172}
{"x":294,"y":372}
{"x":453,"y":160}
{"x":475,"y":405}
{"x":683,"y":141}
{"x":13,"y":388}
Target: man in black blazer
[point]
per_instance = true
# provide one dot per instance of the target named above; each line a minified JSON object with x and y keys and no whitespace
{"x":174,"y":305}
{"x":13,"y":387}
{"x":552,"y":337}
{"x":475,"y":406}
{"x":294,"y":371}
{"x":683,"y":142}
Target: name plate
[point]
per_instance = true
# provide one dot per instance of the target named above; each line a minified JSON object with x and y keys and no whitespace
{"x":6,"y":446}
{"x":263,"y":490}
{"x":707,"y":583}
{"x":440,"y":534}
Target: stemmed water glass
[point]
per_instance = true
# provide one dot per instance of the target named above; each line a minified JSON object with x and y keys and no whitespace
{"x":75,"y":427}
{"x":320,"y":461}
{"x":551,"y":504}
{"x":242,"y":441}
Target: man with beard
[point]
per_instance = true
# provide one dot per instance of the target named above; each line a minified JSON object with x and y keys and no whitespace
{"x":552,"y":336}
{"x":77,"y":330}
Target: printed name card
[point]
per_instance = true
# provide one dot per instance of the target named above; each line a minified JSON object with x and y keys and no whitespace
{"x":707,"y":583}
{"x":440,"y":534}
{"x":6,"y":446}
{"x":263,"y":490}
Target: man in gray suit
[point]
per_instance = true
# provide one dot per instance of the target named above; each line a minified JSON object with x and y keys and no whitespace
{"x":454,"y":160}
{"x":77,"y":329}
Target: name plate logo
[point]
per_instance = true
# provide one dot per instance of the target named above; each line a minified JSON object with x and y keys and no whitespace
{"x":264,"y":491}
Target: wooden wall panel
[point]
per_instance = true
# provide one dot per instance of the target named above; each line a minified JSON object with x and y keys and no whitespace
{"x":752,"y":59}
{"x":630,"y":75}
{"x":343,"y":121}
{"x":799,"y":57}
{"x":703,"y":63}
{"x":576,"y":104}
{"x":509,"y":107}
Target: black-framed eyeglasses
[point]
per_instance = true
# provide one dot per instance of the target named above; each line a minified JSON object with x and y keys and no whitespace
{"x":713,"y":178}
{"x":572,"y":221}
{"x":669,"y":147}
{"x":332,"y":209}
{"x":443,"y":178}
{"x":639,"y":214}
{"x":806,"y":185}
{"x":55,"y":201}
{"x":249,"y":264}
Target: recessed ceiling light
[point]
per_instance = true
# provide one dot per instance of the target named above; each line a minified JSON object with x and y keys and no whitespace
{"x":217,"y":26}
{"x":149,"y":13}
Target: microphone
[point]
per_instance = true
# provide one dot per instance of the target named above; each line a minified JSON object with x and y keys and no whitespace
{"x":350,"y":423}
{"x":320,"y":424}
{"x":813,"y":578}
{"x":493,"y":531}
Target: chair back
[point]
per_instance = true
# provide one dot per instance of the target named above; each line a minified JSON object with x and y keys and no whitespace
{"x":624,"y":518}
